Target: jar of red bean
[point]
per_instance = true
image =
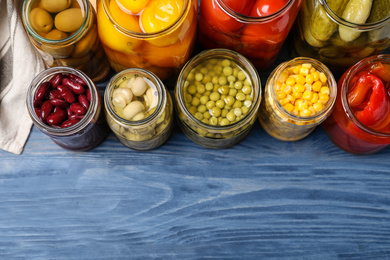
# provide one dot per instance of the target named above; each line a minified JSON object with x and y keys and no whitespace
{"x":65,"y":104}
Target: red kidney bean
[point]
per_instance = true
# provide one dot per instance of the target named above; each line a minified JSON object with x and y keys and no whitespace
{"x":56,"y":80}
{"x":83,"y":100}
{"x":75,"y":116}
{"x":57,"y":117}
{"x":77,"y":88}
{"x":67,"y":94}
{"x":38,"y":103}
{"x":89,"y":95}
{"x":42,"y":91}
{"x":77,"y":79}
{"x":46,"y":110}
{"x":38,"y":112}
{"x":55,"y":94}
{"x":59,"y":103}
{"x":78,"y":109}
{"x":69,"y":122}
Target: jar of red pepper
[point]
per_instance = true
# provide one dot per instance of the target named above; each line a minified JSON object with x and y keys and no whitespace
{"x":255,"y":28}
{"x":65,"y":104}
{"x":360,"y":122}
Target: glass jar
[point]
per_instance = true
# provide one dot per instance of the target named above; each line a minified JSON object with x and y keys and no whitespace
{"x":323,"y":32}
{"x":163,"y":52}
{"x":85,"y":132}
{"x":345,"y":127}
{"x":259,"y":38}
{"x":290,"y":113}
{"x":66,"y":35}
{"x":151,"y":123}
{"x":218,"y":95}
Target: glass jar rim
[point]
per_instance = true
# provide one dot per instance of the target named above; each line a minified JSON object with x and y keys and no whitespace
{"x":68,"y":40}
{"x":358,"y":26}
{"x":156,"y":81}
{"x":318,"y":65}
{"x":142,"y":35}
{"x":345,"y":87}
{"x":252,"y":19}
{"x":220,"y":53}
{"x":44,"y":76}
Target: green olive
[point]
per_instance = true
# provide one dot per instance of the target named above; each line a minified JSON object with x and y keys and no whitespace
{"x":56,"y":34}
{"x":55,"y":6}
{"x":41,"y":20}
{"x":69,"y":20}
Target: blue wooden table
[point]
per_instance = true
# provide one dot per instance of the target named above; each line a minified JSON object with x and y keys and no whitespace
{"x":261,"y":199}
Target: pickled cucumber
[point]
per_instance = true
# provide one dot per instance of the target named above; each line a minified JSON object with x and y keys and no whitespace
{"x":322,"y":27}
{"x":356,"y":11}
{"x":304,"y":17}
{"x":380,"y":10}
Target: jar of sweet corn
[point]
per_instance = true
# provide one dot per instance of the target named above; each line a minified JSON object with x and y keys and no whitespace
{"x":65,"y":33}
{"x":138,"y":109}
{"x":218,"y":95}
{"x":299,"y":95}
{"x":155,"y":35}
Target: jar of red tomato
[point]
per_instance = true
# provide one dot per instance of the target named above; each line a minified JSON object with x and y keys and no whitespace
{"x":360,"y":122}
{"x":65,"y":104}
{"x":255,"y":28}
{"x":155,"y":35}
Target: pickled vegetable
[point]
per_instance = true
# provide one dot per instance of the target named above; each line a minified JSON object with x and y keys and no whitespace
{"x":356,"y":11}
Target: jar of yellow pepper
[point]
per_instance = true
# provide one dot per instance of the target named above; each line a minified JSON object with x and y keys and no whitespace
{"x":155,"y":35}
{"x":299,"y":95}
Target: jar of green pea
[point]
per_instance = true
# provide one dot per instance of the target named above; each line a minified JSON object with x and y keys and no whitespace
{"x":218,"y":95}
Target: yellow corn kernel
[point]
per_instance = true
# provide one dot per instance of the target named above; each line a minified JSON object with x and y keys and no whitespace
{"x":323,"y":77}
{"x":314,"y":99}
{"x":297,"y":94}
{"x":280,"y":95}
{"x":290,"y":81}
{"x":287,"y":89}
{"x":307,"y":95}
{"x":296,"y":69}
{"x":310,"y":79}
{"x":323,"y":99}
{"x":284,"y":101}
{"x":278,"y":87}
{"x":312,"y":70}
{"x":312,"y":110}
{"x":300,"y":79}
{"x":305,"y":113}
{"x":302,"y":106}
{"x":308,"y":87}
{"x":316,"y":76}
{"x":283,"y":77}
{"x":306,"y":65}
{"x":299,"y":87}
{"x":317,"y":86}
{"x":304,"y":71}
{"x":291,"y":98}
{"x":289,"y":107}
{"x":295,"y":111}
{"x":324,"y":90}
{"x":318,"y":106}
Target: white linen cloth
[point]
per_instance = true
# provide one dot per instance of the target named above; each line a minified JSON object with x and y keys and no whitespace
{"x":19,"y":64}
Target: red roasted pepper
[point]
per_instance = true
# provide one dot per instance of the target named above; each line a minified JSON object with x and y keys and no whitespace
{"x":369,"y":101}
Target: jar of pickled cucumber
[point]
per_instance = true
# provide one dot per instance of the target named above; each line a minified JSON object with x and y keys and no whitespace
{"x":65,"y":34}
{"x":340,"y":33}
{"x":65,"y":105}
{"x":155,"y":35}
{"x":299,"y":95}
{"x":218,"y":95}
{"x":139,"y":109}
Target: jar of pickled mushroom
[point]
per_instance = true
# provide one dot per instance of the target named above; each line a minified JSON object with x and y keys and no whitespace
{"x":299,"y":95}
{"x":360,"y":121}
{"x":65,"y":34}
{"x":139,"y":109}
{"x":155,"y":35}
{"x":255,"y":28}
{"x":218,"y":95}
{"x":65,"y":104}
{"x":340,"y":33}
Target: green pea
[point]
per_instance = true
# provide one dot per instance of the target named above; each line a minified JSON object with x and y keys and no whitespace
{"x":204,"y":99}
{"x":214,"y":79}
{"x":241,"y":75}
{"x":203,"y":70}
{"x":195,"y":101}
{"x":206,"y":78}
{"x":231,"y":78}
{"x":224,"y":122}
{"x":224,"y":90}
{"x":227,"y":71}
{"x":222,"y":80}
{"x":193,"y":110}
{"x":230,"y":100}
{"x":202,"y":108}
{"x":231,"y":116}
{"x":216,"y":111}
{"x":191,"y":89}
{"x":191,"y":76}
{"x":198,"y":76}
{"x":205,"y":120}
{"x":209,"y":86}
{"x":237,"y":111}
{"x":214,"y":96}
{"x":187,"y":98}
{"x":210,"y":104}
{"x":247,"y":103}
{"x":240,"y":96}
{"x":225,"y":62}
{"x":224,"y":112}
{"x":238,"y":85}
{"x":232,"y":92}
{"x":244,"y":110}
{"x":213,"y":121}
{"x":198,"y":115}
{"x":220,"y":103}
{"x":200,"y":89}
{"x":237,"y":103}
{"x":247,"y":89}
{"x":206,"y":115}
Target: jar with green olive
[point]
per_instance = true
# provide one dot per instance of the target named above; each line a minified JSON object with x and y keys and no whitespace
{"x":218,"y":94}
{"x":65,"y":34}
{"x":138,"y":109}
{"x":339,"y":33}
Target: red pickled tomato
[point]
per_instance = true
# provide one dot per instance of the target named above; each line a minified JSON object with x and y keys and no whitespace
{"x":217,"y":18}
{"x":267,"y":7}
{"x":241,"y":7}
